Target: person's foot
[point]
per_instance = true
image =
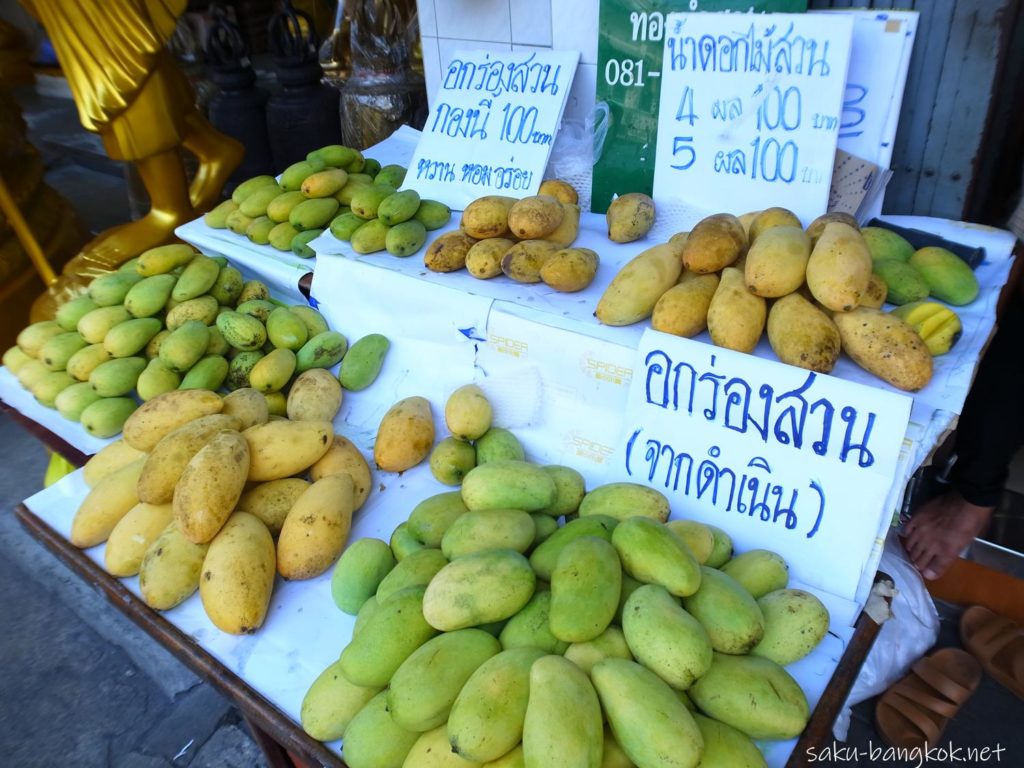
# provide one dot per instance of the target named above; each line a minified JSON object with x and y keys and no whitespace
{"x":939,"y":531}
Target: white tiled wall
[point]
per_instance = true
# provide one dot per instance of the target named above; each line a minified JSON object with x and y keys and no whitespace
{"x":506,"y":25}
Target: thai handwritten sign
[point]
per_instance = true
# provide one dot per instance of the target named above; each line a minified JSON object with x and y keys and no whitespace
{"x":492,"y":125}
{"x":750,"y":110}
{"x":778,"y":457}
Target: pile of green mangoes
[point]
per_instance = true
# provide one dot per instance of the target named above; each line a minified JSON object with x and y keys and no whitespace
{"x":380,"y":218}
{"x":172,"y":319}
{"x":524,"y":621}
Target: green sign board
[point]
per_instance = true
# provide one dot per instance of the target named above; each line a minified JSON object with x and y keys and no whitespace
{"x":629,"y":49}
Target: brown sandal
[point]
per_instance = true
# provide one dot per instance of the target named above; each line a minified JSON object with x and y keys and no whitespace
{"x":998,"y":643}
{"x":914,"y":711}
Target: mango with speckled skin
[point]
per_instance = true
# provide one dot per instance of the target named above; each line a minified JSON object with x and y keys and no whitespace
{"x":653,"y":554}
{"x":727,"y":611}
{"x":508,"y":484}
{"x":242,"y":331}
{"x":664,"y":637}
{"x":478,"y":589}
{"x":585,"y":588}
{"x":563,"y":724}
{"x":714,"y":242}
{"x":636,"y":288}
{"x":93,"y":326}
{"x":800,"y":334}
{"x":630,"y":217}
{"x":110,"y":289}
{"x":374,"y":740}
{"x":795,"y":622}
{"x":405,"y":434}
{"x":57,"y":351}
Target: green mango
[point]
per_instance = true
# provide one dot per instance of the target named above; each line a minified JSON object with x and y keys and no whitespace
{"x":357,"y":163}
{"x":217,"y":345}
{"x":432,"y":214}
{"x":255,"y":205}
{"x":242,"y":331}
{"x":315,"y":322}
{"x":371,"y":237}
{"x":253,"y":289}
{"x":153,"y":348}
{"x":164,"y":259}
{"x":486,"y":719}
{"x":147,"y":297}
{"x":493,"y":529}
{"x":374,"y":740}
{"x":625,"y":500}
{"x":405,"y":239}
{"x":31,"y":372}
{"x":198,"y":277}
{"x":721,"y":549}
{"x":258,"y":308}
{"x":334,"y":155}
{"x":202,"y":308}
{"x":544,"y":525}
{"x":313,"y":214}
{"x":585,"y":587}
{"x":81,"y":364}
{"x":358,"y":573}
{"x":570,"y":488}
{"x":56,"y":352}
{"x":729,"y":613}
{"x":117,"y":377}
{"x":478,"y":589}
{"x":425,"y":686}
{"x":209,"y":373}
{"x":398,"y":207}
{"x":726,"y":747}
{"x":300,"y":243}
{"x":403,"y":543}
{"x":905,"y":284}
{"x":696,"y":536}
{"x":353,"y":185}
{"x":131,"y":337}
{"x":508,"y":484}
{"x":651,"y":553}
{"x":367,"y":199}
{"x":106,"y":417}
{"x":794,"y":623}
{"x":649,"y":721}
{"x":392,"y":633}
{"x":610,"y":644}
{"x":531,"y":627}
{"x":545,"y":557}
{"x":296,"y":173}
{"x":363,"y":361}
{"x":259,"y":230}
{"x":70,"y":312}
{"x":238,"y":222}
{"x":272,"y":373}
{"x":32,"y":337}
{"x":754,"y":695}
{"x":156,"y":379}
{"x":414,"y":570}
{"x":330,"y":704}
{"x":391,"y":175}
{"x":110,"y":289}
{"x":370,"y":167}
{"x":363,"y":617}
{"x":451,"y":459}
{"x":129,"y":266}
{"x":50,"y":385}
{"x":629,"y":586}
{"x":74,"y":399}
{"x":949,"y":278}
{"x":279,"y":208}
{"x":240,"y":367}
{"x":344,"y":225}
{"x":759,"y":571}
{"x":286,"y":329}
{"x":218,"y":217}
{"x":185,"y":346}
{"x":885,"y":244}
{"x":321,"y":351}
{"x":14,"y":358}
{"x":249,"y":186}
{"x":498,"y":444}
{"x":665,"y":638}
{"x":432,"y":517}
{"x":563,"y":724}
{"x":281,"y":236}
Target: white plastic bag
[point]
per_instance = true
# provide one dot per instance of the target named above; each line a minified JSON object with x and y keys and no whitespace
{"x":903,"y":639}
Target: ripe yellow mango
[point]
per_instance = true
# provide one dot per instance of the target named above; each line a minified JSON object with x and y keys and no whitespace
{"x":633,"y":292}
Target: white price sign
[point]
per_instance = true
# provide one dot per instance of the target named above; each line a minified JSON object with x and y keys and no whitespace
{"x":750,"y":110}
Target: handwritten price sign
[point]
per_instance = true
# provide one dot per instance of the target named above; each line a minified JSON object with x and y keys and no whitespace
{"x":779,"y":457}
{"x":750,"y":110}
{"x":492,"y":126}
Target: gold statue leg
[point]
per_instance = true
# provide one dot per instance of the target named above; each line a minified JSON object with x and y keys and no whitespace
{"x":218,"y":156}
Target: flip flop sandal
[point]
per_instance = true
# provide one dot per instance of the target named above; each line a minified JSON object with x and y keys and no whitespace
{"x":914,"y":711}
{"x":998,"y":643}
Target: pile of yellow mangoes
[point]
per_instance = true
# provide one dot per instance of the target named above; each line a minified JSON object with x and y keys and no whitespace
{"x":173,"y":319}
{"x":209,"y":493}
{"x":522,"y":620}
{"x":814,"y":291}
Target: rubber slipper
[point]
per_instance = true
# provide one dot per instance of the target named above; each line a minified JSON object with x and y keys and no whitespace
{"x":915,"y":710}
{"x":996,"y":642}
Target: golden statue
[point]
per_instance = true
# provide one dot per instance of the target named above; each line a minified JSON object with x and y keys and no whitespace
{"x":129,"y":90}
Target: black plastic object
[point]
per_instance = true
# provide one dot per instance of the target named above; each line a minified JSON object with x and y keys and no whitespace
{"x":919,"y":239}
